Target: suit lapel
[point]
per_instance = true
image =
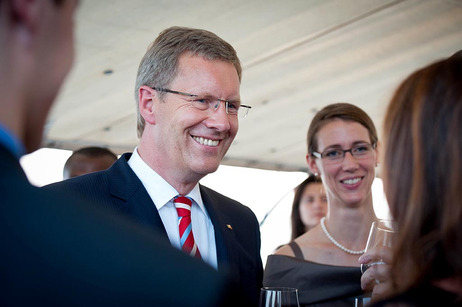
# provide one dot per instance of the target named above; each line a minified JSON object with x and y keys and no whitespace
{"x":225,"y":239}
{"x":125,"y":188}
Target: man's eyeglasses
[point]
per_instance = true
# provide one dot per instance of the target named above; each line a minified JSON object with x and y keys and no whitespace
{"x":207,"y":102}
{"x":336,"y":155}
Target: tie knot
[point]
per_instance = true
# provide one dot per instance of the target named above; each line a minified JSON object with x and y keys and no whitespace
{"x":182,"y":205}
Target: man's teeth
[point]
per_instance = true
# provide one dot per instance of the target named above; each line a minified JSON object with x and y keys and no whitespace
{"x":351,"y":181}
{"x":207,"y":142}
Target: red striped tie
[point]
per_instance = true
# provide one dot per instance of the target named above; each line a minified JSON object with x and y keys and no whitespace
{"x":183,"y":207}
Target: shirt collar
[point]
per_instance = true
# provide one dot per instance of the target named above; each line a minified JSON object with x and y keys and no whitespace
{"x":160,"y":191}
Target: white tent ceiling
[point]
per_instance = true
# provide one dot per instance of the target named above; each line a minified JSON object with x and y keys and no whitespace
{"x":297,"y":55}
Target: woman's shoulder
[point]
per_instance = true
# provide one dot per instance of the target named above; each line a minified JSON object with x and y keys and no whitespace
{"x":290,"y":249}
{"x":284,"y":250}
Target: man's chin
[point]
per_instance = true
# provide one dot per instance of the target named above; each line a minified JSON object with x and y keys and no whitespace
{"x":207,"y":168}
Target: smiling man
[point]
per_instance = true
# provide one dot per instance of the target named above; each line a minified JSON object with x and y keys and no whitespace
{"x":188,"y":105}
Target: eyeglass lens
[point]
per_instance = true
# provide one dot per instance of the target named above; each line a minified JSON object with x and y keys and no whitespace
{"x":337,"y":155}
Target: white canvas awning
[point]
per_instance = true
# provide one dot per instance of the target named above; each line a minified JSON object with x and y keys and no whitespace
{"x":298,"y":56}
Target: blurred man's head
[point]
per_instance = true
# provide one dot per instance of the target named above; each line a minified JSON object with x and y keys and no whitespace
{"x":36,"y":48}
{"x":88,"y":160}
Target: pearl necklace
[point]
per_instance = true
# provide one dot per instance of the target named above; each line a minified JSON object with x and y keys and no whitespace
{"x":343,"y":248}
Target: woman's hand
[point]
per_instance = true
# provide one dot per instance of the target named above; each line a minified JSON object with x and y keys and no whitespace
{"x":377,"y":278}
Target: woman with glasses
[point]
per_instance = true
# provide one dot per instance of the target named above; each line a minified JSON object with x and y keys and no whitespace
{"x":323,"y":263}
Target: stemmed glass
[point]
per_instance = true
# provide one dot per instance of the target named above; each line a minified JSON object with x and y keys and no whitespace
{"x":381,"y":235}
{"x":279,"y":297}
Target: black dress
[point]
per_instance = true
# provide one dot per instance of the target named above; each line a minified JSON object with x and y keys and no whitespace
{"x":317,"y":284}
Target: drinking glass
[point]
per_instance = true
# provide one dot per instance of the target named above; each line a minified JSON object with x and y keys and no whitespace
{"x":380,"y":235}
{"x":279,"y":297}
{"x":362,"y":301}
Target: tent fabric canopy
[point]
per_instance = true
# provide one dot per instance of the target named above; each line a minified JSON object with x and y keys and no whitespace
{"x":297,"y":57}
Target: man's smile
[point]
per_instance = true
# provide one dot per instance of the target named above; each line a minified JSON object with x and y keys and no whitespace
{"x":207,"y":142}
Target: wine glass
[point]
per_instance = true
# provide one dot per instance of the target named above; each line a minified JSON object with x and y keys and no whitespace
{"x":279,"y":297}
{"x":380,"y":235}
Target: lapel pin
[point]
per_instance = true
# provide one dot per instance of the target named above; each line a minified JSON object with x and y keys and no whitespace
{"x":229,"y":227}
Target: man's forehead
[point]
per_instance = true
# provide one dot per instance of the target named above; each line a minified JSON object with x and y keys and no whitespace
{"x":205,"y":76}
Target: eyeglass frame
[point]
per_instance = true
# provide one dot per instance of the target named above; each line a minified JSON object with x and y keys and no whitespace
{"x":215,"y":107}
{"x":323,"y":156}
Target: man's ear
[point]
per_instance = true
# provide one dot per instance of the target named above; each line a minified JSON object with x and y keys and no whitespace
{"x":146,"y":97}
{"x":312,"y":164}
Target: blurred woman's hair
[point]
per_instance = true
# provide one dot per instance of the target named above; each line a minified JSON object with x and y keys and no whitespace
{"x":423,"y":173}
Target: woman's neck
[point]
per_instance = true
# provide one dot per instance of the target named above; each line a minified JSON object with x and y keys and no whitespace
{"x":350,"y":224}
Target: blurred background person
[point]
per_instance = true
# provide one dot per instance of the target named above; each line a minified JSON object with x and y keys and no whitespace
{"x":88,"y":160}
{"x":309,"y":205}
{"x":323,"y":263}
{"x":422,"y":130}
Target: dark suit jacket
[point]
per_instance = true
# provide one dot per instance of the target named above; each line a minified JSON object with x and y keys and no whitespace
{"x":56,"y":251}
{"x":237,"y":232}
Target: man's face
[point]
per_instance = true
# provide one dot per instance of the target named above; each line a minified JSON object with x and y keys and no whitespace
{"x":190,"y":143}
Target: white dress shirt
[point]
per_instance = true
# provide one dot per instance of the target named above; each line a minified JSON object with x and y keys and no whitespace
{"x":162,"y":194}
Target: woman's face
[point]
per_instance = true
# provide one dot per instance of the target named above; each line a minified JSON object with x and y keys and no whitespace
{"x":313,"y":204}
{"x":349,"y":181}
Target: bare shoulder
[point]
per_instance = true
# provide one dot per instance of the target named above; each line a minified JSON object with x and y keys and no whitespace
{"x":310,"y":238}
{"x":285,"y":250}
{"x":314,"y":246}
{"x":303,"y":242}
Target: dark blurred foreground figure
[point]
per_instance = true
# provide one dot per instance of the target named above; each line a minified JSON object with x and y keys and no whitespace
{"x":88,"y":160}
{"x":423,"y":129}
{"x":54,"y":251}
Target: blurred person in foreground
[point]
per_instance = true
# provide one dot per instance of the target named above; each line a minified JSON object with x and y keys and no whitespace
{"x":422,"y":181}
{"x":88,"y":160}
{"x":309,"y":205}
{"x":188,"y":106}
{"x":323,"y":263}
{"x":57,"y":251}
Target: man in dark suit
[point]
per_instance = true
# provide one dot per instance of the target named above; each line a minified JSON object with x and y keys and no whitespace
{"x":55,"y":250}
{"x":188,"y":106}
